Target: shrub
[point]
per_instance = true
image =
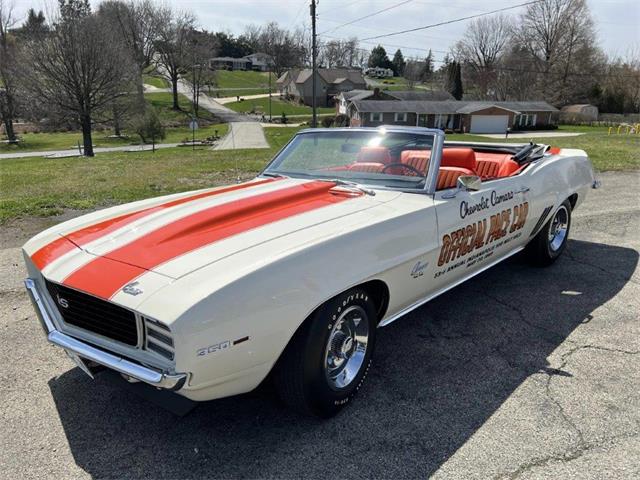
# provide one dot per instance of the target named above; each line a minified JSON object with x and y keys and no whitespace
{"x":342,"y":120}
{"x":327,"y":122}
{"x":148,"y":127}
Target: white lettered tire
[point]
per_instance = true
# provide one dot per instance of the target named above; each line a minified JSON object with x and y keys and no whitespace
{"x":328,"y":358}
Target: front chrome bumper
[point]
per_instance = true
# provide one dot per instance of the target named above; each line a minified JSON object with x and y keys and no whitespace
{"x":85,"y":351}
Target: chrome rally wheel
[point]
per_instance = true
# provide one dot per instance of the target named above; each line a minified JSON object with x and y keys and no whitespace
{"x":558,"y":229}
{"x":346,"y":347}
{"x":551,"y":240}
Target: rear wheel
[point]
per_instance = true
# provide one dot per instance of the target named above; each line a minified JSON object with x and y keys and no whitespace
{"x":327,"y":360}
{"x":551,"y":240}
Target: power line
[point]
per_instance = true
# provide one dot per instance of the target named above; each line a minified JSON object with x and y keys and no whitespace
{"x":367,"y":16}
{"x":304,"y":4}
{"x":406,"y":47}
{"x":447,"y":22}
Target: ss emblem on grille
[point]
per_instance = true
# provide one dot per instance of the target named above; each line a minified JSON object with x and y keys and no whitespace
{"x":63,"y":302}
{"x":132,"y":289}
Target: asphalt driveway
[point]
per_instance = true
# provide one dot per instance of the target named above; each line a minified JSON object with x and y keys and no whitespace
{"x":519,"y":373}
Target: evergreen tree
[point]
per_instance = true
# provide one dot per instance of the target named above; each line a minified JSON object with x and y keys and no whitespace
{"x":35,"y":22}
{"x":378,"y":58}
{"x":427,"y":74}
{"x":454,"y":80}
{"x":399,"y":63}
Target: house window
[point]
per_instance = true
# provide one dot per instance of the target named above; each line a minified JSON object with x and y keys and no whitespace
{"x":440,"y":121}
{"x":375,"y":116}
{"x":525,"y":120}
{"x":400,"y":117}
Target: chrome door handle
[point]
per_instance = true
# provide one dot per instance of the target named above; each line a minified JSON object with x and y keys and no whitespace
{"x":522,"y":190}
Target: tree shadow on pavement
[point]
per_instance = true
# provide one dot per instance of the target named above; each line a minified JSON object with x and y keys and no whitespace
{"x":439,"y":373}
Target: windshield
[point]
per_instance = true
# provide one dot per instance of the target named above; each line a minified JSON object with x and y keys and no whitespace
{"x":376,"y":157}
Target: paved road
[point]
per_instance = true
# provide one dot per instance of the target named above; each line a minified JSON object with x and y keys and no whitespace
{"x":243,"y":135}
{"x":74,"y":152}
{"x":519,"y":373}
{"x":244,"y":131}
{"x":536,"y":134}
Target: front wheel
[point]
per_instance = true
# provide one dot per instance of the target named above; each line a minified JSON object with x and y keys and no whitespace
{"x":551,"y":240}
{"x":327,"y":360}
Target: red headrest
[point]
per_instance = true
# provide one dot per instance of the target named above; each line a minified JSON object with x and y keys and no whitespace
{"x":371,"y":167}
{"x":374,"y":155}
{"x":458,"y":157}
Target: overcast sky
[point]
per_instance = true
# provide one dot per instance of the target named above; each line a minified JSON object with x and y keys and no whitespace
{"x":616,"y":21}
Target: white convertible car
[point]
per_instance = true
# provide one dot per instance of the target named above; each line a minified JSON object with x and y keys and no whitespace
{"x":206,"y":293}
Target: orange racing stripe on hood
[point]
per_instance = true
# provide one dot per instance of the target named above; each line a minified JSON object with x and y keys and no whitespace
{"x":69,"y":241}
{"x":105,"y":276}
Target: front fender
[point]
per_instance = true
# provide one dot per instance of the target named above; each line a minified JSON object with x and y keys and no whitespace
{"x":230,"y":338}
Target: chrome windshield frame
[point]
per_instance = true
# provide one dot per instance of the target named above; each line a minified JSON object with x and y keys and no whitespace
{"x":434,"y":164}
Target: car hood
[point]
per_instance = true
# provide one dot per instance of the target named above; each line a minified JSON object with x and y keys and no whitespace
{"x":164,"y":241}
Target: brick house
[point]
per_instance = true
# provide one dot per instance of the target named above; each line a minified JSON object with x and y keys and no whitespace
{"x":463,"y":116}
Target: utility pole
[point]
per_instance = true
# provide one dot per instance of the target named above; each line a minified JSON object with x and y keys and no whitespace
{"x":314,"y":67}
{"x":269,"y":73}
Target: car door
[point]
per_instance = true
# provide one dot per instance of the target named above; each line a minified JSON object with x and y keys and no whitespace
{"x":478,"y":228}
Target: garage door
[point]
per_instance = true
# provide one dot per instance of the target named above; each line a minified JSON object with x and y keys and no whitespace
{"x":489,"y":123}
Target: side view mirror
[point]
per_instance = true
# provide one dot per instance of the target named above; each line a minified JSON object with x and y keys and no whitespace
{"x":470,"y":183}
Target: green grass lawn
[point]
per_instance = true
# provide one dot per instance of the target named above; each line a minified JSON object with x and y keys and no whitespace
{"x":163,"y":103}
{"x":36,"y":142}
{"x":243,"y":83}
{"x":155,"y":81}
{"x":41,"y":186}
{"x":176,"y":123}
{"x":60,"y":141}
{"x":277,"y":107}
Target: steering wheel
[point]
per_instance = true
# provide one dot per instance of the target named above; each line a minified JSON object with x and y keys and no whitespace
{"x":403,"y":165}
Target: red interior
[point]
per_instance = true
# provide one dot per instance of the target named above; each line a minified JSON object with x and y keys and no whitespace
{"x":465,"y":161}
{"x":455,"y":162}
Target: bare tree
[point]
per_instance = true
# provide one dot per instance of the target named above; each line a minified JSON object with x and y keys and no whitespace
{"x":8,"y":72}
{"x":515,"y":77}
{"x":339,"y":53}
{"x":559,"y":36}
{"x":285,"y":48}
{"x":80,"y":68}
{"x":481,"y":48}
{"x":138,"y":23}
{"x":201,"y":46}
{"x":413,"y":72}
{"x":173,"y":48}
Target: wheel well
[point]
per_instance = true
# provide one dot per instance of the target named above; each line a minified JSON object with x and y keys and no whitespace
{"x":573,"y":199}
{"x":380,"y":294}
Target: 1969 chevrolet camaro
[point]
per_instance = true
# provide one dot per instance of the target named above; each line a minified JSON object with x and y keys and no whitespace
{"x":205,"y":293}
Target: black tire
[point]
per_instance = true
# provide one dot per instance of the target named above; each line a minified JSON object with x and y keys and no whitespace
{"x":302,"y":377}
{"x":542,"y":251}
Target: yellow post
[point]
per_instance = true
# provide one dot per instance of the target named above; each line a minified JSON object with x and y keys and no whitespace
{"x":610,"y":128}
{"x":619,"y":127}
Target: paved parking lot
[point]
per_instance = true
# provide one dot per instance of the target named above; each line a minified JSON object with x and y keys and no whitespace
{"x":519,"y":373}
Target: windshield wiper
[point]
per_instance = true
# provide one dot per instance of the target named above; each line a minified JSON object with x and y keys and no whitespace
{"x":274,"y":175}
{"x":347,"y":183}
